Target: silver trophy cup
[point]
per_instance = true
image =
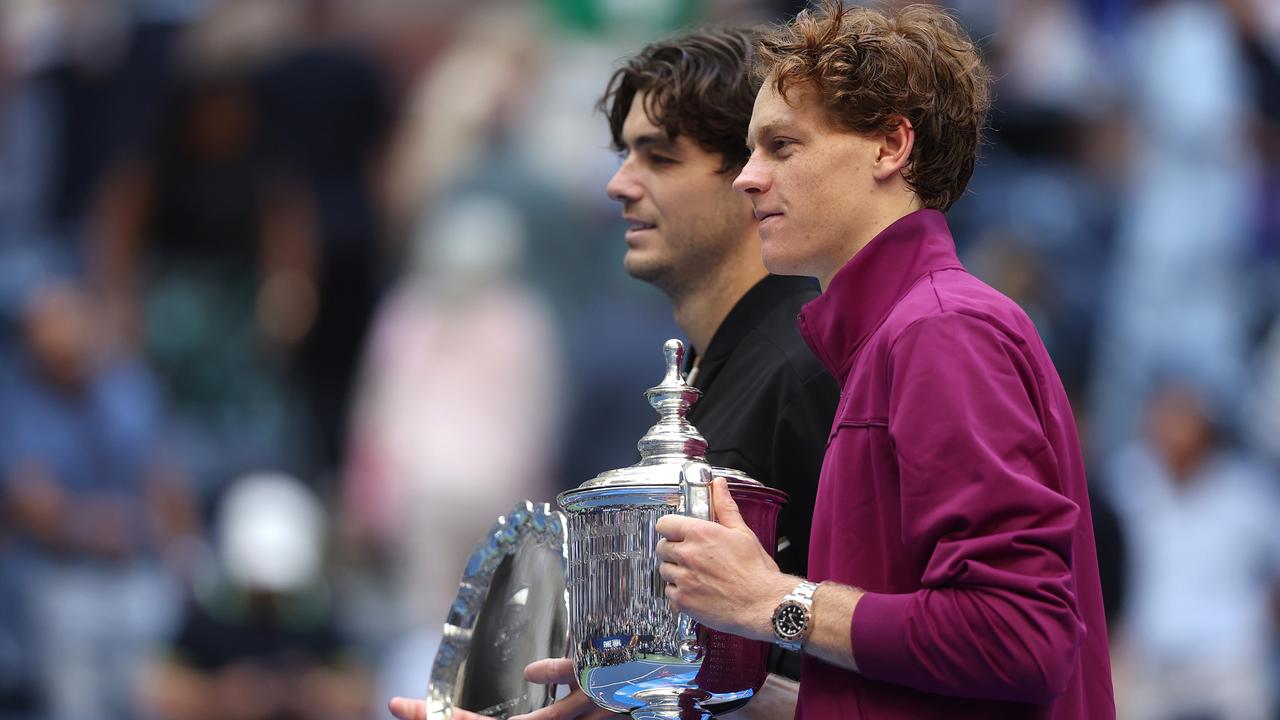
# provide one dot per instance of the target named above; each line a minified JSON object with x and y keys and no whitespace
{"x":632,"y":653}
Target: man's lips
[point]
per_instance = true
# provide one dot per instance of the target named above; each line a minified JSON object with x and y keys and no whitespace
{"x":765,"y":218}
{"x":637,"y":231}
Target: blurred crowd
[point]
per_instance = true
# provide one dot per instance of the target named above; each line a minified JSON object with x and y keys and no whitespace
{"x":298,"y":296}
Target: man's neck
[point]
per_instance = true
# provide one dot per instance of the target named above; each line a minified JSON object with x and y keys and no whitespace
{"x":886,"y":214}
{"x":700,"y":311}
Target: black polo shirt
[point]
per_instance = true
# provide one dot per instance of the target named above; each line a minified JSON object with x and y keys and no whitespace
{"x":767,"y":404}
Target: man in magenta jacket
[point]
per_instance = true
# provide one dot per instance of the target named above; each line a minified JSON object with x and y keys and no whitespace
{"x":952,"y":570}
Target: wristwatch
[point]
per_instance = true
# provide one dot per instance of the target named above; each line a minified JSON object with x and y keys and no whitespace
{"x":793,"y":618}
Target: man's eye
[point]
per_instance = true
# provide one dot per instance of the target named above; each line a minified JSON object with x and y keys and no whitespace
{"x":780,"y":146}
{"x":661,"y":160}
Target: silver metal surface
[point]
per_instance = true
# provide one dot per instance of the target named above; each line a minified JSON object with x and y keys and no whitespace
{"x":510,"y":610}
{"x":695,"y":484}
{"x":631,"y":652}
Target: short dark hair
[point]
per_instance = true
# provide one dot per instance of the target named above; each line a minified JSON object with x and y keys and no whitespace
{"x":699,"y":85}
{"x":870,"y":67}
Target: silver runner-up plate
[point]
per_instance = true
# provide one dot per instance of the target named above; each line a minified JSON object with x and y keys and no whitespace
{"x":511,"y":609}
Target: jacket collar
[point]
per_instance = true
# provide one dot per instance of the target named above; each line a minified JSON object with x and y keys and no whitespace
{"x":863,"y":292}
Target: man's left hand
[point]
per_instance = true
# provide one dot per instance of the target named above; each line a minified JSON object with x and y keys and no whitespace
{"x":718,"y":573}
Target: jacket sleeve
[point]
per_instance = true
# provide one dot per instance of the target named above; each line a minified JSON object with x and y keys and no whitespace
{"x":982,"y":511}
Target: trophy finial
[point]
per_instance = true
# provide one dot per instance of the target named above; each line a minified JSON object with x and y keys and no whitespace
{"x":673,"y":351}
{"x":673,"y":437}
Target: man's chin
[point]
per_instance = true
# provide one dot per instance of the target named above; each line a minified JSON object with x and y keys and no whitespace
{"x":649,"y":270}
{"x":644,"y":268}
{"x":778,"y":263}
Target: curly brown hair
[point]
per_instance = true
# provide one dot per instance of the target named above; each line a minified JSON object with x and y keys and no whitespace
{"x":699,"y":85}
{"x":873,"y":67}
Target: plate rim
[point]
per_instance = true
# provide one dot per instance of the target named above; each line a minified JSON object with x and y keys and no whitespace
{"x":527,"y":521}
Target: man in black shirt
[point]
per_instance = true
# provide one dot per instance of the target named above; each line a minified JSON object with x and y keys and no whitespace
{"x":678,"y":112}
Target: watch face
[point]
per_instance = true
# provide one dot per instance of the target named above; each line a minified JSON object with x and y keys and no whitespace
{"x":791,"y":620}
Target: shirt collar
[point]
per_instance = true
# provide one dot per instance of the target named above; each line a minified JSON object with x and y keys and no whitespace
{"x":863,"y":292}
{"x":746,"y":314}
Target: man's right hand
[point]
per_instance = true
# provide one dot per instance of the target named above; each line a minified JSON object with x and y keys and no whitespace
{"x":575,"y":706}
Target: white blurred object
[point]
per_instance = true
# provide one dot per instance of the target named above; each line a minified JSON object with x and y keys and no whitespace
{"x":475,"y":239}
{"x":1199,"y":629}
{"x":1265,"y":16}
{"x":1050,"y":61}
{"x":566,"y":146}
{"x":271,"y":533}
{"x":241,"y":34}
{"x":91,"y":34}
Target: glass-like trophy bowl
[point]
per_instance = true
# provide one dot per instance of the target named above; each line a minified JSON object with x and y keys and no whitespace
{"x":631,"y":651}
{"x":627,"y":645}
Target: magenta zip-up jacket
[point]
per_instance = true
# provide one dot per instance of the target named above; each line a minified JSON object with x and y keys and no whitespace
{"x":953,"y":492}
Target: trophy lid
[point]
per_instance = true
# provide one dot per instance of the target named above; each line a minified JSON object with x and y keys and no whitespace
{"x":673,"y":440}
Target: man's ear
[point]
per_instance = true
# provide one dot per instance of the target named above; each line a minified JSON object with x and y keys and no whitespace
{"x":894,"y":151}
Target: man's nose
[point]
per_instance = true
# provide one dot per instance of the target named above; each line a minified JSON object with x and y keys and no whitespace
{"x":752,"y":180}
{"x":622,"y":186}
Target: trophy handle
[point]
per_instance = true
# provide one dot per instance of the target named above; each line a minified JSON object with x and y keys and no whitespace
{"x":695,"y":485}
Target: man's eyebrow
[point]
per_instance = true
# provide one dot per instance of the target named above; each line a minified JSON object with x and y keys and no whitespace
{"x":651,"y":141}
{"x":763,"y":130}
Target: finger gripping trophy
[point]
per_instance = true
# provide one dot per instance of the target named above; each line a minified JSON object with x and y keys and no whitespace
{"x":632,"y":653}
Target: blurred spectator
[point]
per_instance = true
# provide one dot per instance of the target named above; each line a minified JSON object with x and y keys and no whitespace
{"x":1262,"y":409}
{"x":457,"y":409}
{"x":26,"y":147}
{"x":78,"y":80}
{"x":94,"y":69}
{"x":206,"y":262}
{"x":26,"y":160}
{"x":74,"y":51}
{"x":1177,"y":295}
{"x":326,"y":114}
{"x":507,"y":111}
{"x":1036,"y":222}
{"x":455,"y":113}
{"x":258,"y":641}
{"x":1052,"y":71}
{"x":19,"y":691}
{"x":1258,"y":23}
{"x":94,"y":506}
{"x":1198,"y":633}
